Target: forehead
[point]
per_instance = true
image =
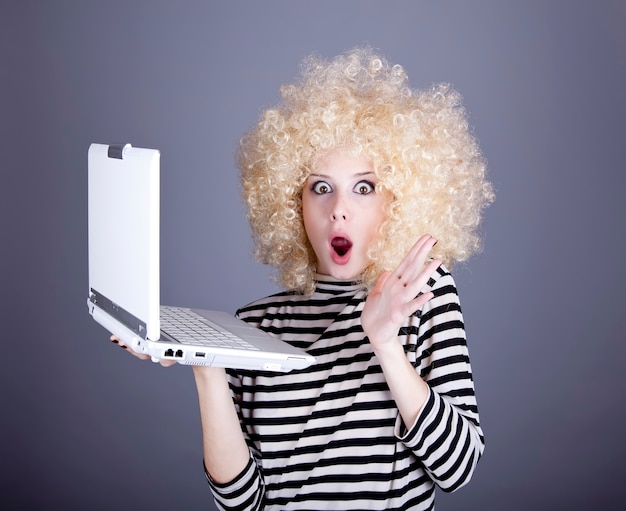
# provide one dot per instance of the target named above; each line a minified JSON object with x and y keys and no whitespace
{"x":342,"y":164}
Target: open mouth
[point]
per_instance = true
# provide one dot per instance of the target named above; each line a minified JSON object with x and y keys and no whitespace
{"x":341,"y":245}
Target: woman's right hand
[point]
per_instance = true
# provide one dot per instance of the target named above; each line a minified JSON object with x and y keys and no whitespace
{"x":141,"y":356}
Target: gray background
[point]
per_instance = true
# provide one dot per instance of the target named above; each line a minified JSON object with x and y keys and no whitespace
{"x":85,"y":426}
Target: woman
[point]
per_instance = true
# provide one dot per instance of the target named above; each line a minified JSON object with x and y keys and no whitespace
{"x":361,"y":193}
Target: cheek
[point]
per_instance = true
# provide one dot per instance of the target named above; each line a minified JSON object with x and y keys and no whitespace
{"x":313,"y":208}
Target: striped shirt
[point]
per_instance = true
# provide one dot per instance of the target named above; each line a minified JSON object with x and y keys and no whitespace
{"x":330,"y":436}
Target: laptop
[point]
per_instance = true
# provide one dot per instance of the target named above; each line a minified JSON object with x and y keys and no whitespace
{"x":124,"y":272}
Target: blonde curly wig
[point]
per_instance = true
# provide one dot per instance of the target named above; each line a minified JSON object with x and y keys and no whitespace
{"x":429,"y":166}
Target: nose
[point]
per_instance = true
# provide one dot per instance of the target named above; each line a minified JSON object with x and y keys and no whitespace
{"x":340,"y":209}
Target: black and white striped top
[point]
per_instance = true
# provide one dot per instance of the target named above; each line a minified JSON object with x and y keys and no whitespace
{"x":330,"y":436}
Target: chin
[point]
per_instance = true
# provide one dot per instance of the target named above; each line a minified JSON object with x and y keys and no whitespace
{"x":345,"y":273}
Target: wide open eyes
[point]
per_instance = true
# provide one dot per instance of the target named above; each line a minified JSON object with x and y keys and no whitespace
{"x":362,"y":187}
{"x":321,"y":187}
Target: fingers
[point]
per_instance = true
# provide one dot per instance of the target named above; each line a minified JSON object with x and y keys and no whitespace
{"x":413,"y":272}
{"x":412,"y":275}
{"x":418,"y":302}
{"x":167,"y":363}
{"x":141,"y":356}
{"x":398,"y":294}
{"x":413,"y":262}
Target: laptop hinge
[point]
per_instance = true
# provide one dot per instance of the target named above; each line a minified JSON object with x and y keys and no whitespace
{"x":119,"y":313}
{"x":118,"y":150}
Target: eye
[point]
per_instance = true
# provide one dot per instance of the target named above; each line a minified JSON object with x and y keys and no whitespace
{"x":364,"y":187}
{"x":321,"y":187}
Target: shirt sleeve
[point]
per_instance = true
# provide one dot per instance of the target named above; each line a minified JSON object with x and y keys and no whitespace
{"x":242,"y":493}
{"x":246,"y":492}
{"x":446,"y":435}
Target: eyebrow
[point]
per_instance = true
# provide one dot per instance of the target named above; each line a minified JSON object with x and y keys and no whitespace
{"x":358,"y":174}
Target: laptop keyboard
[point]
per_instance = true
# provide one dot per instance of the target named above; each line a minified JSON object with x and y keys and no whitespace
{"x":188,"y":327}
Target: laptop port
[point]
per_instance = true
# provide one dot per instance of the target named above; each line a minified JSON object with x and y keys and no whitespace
{"x":169,"y":353}
{"x":179,"y":354}
{"x":199,"y":354}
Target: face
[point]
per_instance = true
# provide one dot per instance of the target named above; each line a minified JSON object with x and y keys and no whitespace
{"x":342,"y":213}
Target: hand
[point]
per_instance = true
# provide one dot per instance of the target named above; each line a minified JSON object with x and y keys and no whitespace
{"x":142,"y":356}
{"x":395,"y":295}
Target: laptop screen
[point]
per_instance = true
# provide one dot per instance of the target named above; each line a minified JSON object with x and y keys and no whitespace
{"x":123,"y":212}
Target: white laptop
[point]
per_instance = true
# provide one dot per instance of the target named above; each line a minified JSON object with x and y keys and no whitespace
{"x":124,"y":287}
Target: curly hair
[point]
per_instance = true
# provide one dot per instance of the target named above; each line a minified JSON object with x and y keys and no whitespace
{"x":430,"y":168}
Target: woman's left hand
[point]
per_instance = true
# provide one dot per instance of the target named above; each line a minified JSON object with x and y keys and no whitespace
{"x":395,"y":295}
